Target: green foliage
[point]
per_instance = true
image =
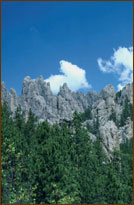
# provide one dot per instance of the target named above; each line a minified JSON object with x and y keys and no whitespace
{"x":96,"y":125}
{"x":126,"y":112}
{"x":131,"y":111}
{"x":113,"y":116}
{"x":89,"y":128}
{"x":87,"y":115}
{"x":44,"y":164}
{"x":118,"y":95}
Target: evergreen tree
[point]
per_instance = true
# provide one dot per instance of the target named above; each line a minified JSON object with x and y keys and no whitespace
{"x":126,"y":112}
{"x":113,"y":116}
{"x":87,"y":114}
{"x":43,"y":163}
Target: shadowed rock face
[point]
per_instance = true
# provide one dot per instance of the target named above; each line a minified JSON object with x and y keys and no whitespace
{"x":37,"y":95}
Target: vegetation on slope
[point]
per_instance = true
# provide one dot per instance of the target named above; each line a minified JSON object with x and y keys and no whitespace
{"x":60,"y":164}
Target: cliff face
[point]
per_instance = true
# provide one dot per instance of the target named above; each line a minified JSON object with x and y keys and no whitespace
{"x":37,"y":95}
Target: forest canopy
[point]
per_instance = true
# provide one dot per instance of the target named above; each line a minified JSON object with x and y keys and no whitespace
{"x":58,"y":164}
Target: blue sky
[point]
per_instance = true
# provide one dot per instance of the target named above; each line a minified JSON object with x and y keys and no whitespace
{"x":36,"y":36}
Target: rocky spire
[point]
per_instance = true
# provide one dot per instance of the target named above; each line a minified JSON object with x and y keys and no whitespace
{"x":37,"y":95}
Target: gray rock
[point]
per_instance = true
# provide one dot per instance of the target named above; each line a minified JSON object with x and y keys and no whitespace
{"x":127,"y":91}
{"x":37,"y":95}
{"x":107,"y":92}
{"x":126,"y":132}
{"x":109,"y":135}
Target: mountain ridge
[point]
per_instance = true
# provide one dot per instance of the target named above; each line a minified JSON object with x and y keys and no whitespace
{"x":107,"y":107}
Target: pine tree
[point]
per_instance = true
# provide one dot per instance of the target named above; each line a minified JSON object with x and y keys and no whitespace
{"x":43,"y":163}
{"x":126,"y":112}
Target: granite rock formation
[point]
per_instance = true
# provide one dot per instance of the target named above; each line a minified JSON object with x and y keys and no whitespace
{"x":37,"y":95}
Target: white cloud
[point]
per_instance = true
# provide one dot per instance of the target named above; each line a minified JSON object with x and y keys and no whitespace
{"x":120,"y":86}
{"x":74,"y":76}
{"x":120,"y":63}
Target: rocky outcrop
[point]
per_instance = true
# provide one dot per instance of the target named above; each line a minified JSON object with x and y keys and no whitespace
{"x":126,"y":132}
{"x":109,"y":134}
{"x":37,"y":95}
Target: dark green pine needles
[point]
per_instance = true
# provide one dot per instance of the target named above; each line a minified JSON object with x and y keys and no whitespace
{"x":60,"y":164}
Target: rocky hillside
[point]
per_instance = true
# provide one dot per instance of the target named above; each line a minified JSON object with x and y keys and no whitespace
{"x":110,"y":112}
